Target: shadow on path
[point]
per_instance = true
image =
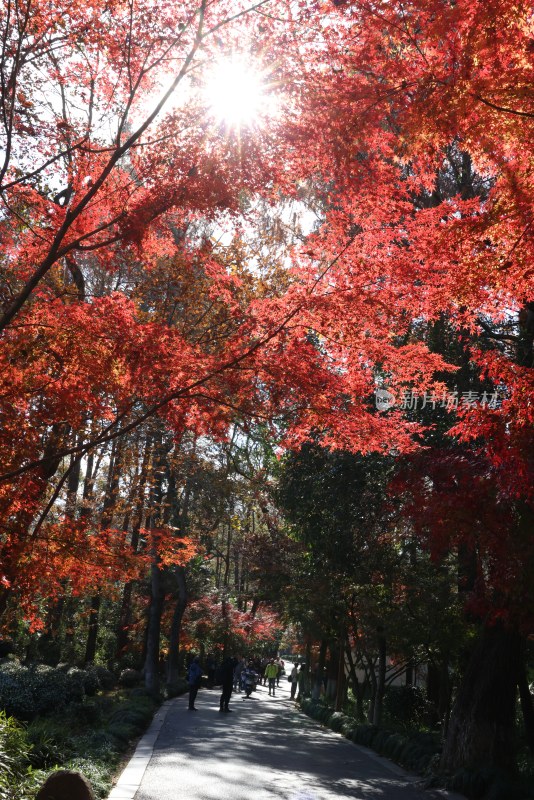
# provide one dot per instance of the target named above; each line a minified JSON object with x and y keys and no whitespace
{"x":264,"y":750}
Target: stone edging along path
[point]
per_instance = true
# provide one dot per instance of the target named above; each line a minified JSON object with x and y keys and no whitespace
{"x":130,"y":778}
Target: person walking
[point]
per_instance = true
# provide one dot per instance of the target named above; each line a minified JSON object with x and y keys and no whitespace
{"x":294,"y":680}
{"x":194,"y":678}
{"x":238,"y":671}
{"x":227,"y":682}
{"x":281,"y":670}
{"x":271,"y":671}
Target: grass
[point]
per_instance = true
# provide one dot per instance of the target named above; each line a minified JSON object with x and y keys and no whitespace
{"x":91,"y":737}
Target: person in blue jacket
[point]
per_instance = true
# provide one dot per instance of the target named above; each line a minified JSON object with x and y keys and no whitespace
{"x":194,"y":678}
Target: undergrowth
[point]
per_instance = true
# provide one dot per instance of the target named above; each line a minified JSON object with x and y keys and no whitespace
{"x":90,"y":736}
{"x":418,"y":750}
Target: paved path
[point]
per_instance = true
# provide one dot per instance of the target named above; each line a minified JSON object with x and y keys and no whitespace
{"x":265,"y":750}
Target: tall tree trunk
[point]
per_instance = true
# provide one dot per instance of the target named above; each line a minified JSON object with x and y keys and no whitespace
{"x":481,"y":729}
{"x":340,"y":688}
{"x":122,"y":637}
{"x":381,"y":679}
{"x":173,"y":663}
{"x":110,"y":500}
{"x":319,"y":670}
{"x":370,"y":672}
{"x":332,"y":671}
{"x":49,"y":645}
{"x":438,"y":690}
{"x":445,"y":695}
{"x":154,"y":630}
{"x":356,"y":686}
{"x":152,"y":662}
{"x":73,"y":484}
{"x":92,"y":635}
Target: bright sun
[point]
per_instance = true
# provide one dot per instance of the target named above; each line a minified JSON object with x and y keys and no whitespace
{"x":237,"y":94}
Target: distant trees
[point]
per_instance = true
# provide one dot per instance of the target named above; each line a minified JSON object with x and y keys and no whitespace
{"x":368,"y":590}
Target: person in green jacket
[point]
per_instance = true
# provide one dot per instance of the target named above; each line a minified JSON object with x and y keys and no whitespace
{"x":271,"y":671}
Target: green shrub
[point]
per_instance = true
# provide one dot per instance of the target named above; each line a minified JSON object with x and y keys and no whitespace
{"x":130,"y":678}
{"x":489,"y":783}
{"x":14,"y":756}
{"x":106,"y":678}
{"x":122,"y":732}
{"x":394,"y":745}
{"x":419,"y":752}
{"x":6,"y":647}
{"x":406,"y":705}
{"x":380,"y":740}
{"x":50,"y":740}
{"x":86,"y":713}
{"x":26,"y":691}
{"x":176,"y":689}
{"x":91,"y":682}
{"x":135,"y":719}
{"x":336,"y":721}
{"x":306,"y":705}
{"x":347,"y":728}
{"x":46,"y":753}
{"x":49,"y":688}
{"x":15,"y":690}
{"x":75,"y":684}
{"x":86,"y":736}
{"x":140,"y":691}
{"x":98,"y":775}
{"x":365,"y":735}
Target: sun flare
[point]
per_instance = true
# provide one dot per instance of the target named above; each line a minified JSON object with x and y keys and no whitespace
{"x":237,"y":94}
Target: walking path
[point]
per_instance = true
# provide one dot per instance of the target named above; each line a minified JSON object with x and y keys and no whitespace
{"x":265,"y":750}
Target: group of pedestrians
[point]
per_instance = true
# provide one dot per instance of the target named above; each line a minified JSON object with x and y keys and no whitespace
{"x":223,"y":676}
{"x":241,"y":675}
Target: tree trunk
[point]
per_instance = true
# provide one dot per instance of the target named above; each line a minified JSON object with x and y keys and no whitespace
{"x":333,"y":670}
{"x":318,"y":673}
{"x":372,"y":683}
{"x":481,"y":729}
{"x":340,"y":689}
{"x":112,"y":485}
{"x":173,"y":664}
{"x":153,"y":630}
{"x":438,"y":690}
{"x":90,"y":647}
{"x":356,"y":686}
{"x":152,"y":662}
{"x":137,"y":518}
{"x":381,"y":679}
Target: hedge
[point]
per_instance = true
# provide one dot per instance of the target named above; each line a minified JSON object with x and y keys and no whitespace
{"x":36,"y":689}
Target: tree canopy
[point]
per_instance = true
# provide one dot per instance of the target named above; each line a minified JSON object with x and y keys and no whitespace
{"x":321,"y":277}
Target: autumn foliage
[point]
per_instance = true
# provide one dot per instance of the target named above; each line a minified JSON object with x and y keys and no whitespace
{"x":169,"y":279}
